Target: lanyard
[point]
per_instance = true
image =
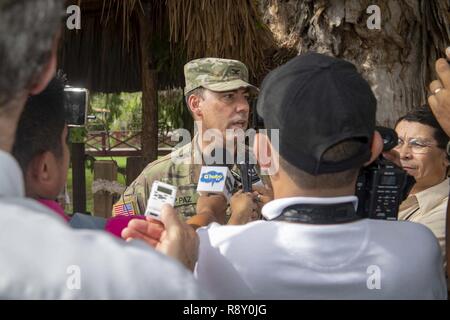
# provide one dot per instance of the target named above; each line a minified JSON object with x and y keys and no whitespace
{"x":320,"y":213}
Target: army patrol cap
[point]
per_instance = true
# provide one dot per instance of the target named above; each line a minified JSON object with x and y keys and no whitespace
{"x":216,"y":74}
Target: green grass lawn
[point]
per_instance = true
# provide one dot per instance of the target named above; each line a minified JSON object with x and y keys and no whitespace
{"x":121,"y":162}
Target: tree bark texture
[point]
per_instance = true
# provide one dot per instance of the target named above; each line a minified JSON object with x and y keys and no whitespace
{"x":397,"y":60}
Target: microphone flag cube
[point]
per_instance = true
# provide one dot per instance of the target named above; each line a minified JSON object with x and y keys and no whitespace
{"x":215,"y":180}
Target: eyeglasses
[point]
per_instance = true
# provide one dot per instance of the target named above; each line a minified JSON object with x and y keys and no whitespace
{"x":416,"y":145}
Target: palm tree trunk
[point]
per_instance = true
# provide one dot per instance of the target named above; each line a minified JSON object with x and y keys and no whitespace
{"x":149,"y":91}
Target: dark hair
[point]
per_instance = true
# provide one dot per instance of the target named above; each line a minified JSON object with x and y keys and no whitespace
{"x":425,"y":116}
{"x":340,"y":151}
{"x":196,"y":92}
{"x":27,"y":33}
{"x":41,"y":125}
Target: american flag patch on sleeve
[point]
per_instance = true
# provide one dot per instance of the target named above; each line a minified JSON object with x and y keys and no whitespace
{"x":124,"y":209}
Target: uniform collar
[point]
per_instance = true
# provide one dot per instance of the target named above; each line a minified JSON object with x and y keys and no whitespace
{"x":274,"y":208}
{"x":429,"y":198}
{"x":11,"y":182}
{"x":189,"y":153}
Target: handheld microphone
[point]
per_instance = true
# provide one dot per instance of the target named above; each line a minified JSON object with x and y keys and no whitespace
{"x":248,"y":176}
{"x":216,"y":178}
{"x":244,"y":168}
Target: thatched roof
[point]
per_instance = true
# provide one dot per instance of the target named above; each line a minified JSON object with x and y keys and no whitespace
{"x":104,"y":56}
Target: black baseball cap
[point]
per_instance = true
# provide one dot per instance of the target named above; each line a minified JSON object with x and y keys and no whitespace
{"x":317,"y":101}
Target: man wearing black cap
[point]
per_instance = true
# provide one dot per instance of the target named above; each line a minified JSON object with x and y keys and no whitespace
{"x":315,"y":246}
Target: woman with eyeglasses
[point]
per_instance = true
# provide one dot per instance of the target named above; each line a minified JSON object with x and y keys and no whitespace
{"x":422,"y":147}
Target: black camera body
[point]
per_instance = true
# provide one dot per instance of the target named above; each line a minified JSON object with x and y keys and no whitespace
{"x":382,"y":186}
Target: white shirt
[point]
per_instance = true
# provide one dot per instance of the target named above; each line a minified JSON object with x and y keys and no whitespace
{"x":42,"y":258}
{"x":366,"y":259}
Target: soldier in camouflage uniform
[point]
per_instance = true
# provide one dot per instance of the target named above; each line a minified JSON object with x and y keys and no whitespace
{"x":227,"y":107}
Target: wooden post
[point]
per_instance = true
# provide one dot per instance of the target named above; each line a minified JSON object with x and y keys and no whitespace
{"x":103,"y":200}
{"x":78,"y":178}
{"x":135,"y":165}
{"x":149,"y":89}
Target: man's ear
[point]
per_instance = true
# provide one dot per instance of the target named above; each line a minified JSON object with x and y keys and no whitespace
{"x":445,"y":160}
{"x":376,"y":147}
{"x":40,"y":168}
{"x":48,"y":72}
{"x":194,"y":105}
{"x":264,"y":153}
{"x":34,"y":175}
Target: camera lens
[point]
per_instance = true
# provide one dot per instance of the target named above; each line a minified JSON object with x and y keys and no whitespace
{"x":390,"y":138}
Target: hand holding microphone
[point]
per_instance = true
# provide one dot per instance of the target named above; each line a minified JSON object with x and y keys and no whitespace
{"x":246,"y":204}
{"x":210,"y":208}
{"x":263,"y":194}
{"x":214,"y":206}
{"x":215,"y":185}
{"x":244,"y":208}
{"x":170,"y":236}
